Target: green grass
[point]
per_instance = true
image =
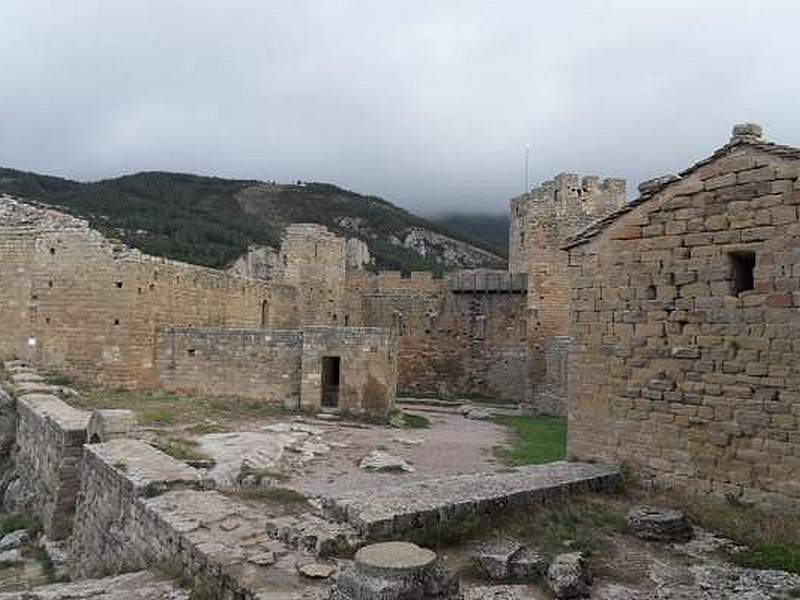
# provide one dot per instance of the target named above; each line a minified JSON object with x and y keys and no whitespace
{"x":278,"y":495}
{"x":10,"y":523}
{"x":772,"y":538}
{"x":580,"y":523}
{"x":162,"y":409}
{"x":180,"y":448}
{"x":534,"y":440}
{"x":57,"y":379}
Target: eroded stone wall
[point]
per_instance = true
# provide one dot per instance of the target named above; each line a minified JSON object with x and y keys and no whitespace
{"x":540,"y":221}
{"x":78,"y":302}
{"x":282,"y":367}
{"x":49,"y":441}
{"x":678,"y":369}
{"x":263,"y":365}
{"x":463,"y":335}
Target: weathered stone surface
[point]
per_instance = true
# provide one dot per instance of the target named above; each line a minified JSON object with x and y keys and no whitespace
{"x":499,"y":592}
{"x":15,"y":539}
{"x":568,"y":576}
{"x":316,"y":570}
{"x":8,"y":424}
{"x":11,"y":557}
{"x":694,"y":286}
{"x":493,"y":558}
{"x":478,"y":413}
{"x":527,"y":565}
{"x":411,"y":508}
{"x":108,"y":424}
{"x":659,"y":524}
{"x":381,"y":461}
{"x":130,"y":586}
{"x":49,"y":440}
{"x":314,"y":535}
{"x":395,"y":571}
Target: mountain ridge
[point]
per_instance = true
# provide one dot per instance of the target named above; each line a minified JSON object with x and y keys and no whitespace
{"x":211,"y":221}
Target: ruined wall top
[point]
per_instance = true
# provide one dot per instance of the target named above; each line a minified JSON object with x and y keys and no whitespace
{"x":16,"y":214}
{"x":589,"y":193}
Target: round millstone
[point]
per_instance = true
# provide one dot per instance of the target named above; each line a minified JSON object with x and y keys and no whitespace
{"x":659,"y":524}
{"x":394,"y":558}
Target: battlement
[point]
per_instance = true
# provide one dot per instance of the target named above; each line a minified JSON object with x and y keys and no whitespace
{"x":557,"y":208}
{"x":572,"y":186}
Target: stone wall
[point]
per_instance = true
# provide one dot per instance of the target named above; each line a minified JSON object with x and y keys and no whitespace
{"x":49,"y":440}
{"x":282,"y":367}
{"x":540,"y":221}
{"x":88,"y":306}
{"x":259,"y":364}
{"x":368,"y":368}
{"x":113,"y":532}
{"x":679,"y":369}
{"x":463,"y":335}
{"x":313,"y":260}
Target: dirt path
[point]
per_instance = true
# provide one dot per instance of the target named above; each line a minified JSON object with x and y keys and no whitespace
{"x":452,"y":445}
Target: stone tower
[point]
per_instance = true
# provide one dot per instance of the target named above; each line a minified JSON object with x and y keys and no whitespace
{"x":313,"y":259}
{"x":540,"y":221}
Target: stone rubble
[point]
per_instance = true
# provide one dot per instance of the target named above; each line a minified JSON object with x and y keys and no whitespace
{"x":659,"y":524}
{"x":568,"y":576}
{"x":15,"y":539}
{"x":378,"y":460}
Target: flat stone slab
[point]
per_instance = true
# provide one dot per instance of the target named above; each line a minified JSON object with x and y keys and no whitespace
{"x":659,"y":524}
{"x":142,"y":464}
{"x":396,"y":571}
{"x":394,"y":557}
{"x":404,"y":508}
{"x":141,"y":585}
{"x":53,"y":407}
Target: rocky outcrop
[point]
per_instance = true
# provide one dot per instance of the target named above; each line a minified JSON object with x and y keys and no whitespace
{"x":449,"y":252}
{"x":259,"y":262}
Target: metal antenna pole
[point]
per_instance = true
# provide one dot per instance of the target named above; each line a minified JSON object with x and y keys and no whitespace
{"x":527,"y":155}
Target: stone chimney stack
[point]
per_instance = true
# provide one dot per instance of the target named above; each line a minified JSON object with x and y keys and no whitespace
{"x":746,"y":132}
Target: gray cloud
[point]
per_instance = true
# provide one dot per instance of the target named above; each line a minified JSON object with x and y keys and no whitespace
{"x":429,"y":104}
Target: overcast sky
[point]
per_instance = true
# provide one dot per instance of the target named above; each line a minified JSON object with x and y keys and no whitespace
{"x":429,"y":104}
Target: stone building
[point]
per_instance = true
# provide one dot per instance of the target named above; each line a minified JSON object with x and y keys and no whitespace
{"x":685,"y":314}
{"x":460,"y":335}
{"x":78,"y":302}
{"x":540,"y":221}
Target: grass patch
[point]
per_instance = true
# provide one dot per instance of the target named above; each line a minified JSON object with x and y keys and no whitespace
{"x":160,"y":408}
{"x":772,"y":538}
{"x":57,"y":379}
{"x":180,"y":448}
{"x":206,"y":427}
{"x":403,"y":420}
{"x":15,"y":522}
{"x":279,"y":495}
{"x":534,"y":440}
{"x":570,"y":524}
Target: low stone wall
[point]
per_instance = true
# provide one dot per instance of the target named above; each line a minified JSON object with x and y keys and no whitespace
{"x":416,"y":510}
{"x":112,"y":532}
{"x":49,"y":440}
{"x":281,"y":366}
{"x":549,"y":363}
{"x":248,"y":363}
{"x":140,"y":508}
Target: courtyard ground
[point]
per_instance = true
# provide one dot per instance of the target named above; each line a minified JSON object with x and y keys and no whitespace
{"x":282,"y":462}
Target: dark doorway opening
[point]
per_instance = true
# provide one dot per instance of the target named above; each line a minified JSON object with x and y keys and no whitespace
{"x":264,"y":314}
{"x":331,"y":375}
{"x":742,"y":266}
